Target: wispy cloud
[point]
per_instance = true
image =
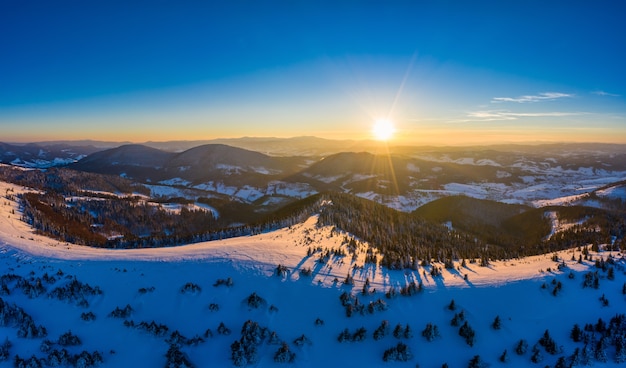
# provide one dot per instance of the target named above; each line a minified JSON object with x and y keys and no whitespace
{"x":495,"y":115}
{"x":604,"y":93}
{"x":545,"y":96}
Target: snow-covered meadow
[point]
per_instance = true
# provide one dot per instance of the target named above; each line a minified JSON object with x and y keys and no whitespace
{"x":178,"y":288}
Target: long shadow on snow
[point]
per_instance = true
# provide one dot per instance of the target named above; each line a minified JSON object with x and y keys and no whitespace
{"x":456,"y":273}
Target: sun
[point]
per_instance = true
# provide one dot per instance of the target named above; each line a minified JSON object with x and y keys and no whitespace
{"x":383,"y":130}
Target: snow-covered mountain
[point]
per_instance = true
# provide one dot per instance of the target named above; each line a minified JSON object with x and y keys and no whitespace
{"x":43,"y":155}
{"x":195,"y":166}
{"x":292,"y":295}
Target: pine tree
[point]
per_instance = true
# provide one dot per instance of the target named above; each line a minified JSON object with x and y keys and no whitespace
{"x":476,"y":362}
{"x":468,"y":333}
{"x":600,"y":326}
{"x":575,"y":359}
{"x":600,"y":350}
{"x":398,"y":331}
{"x":604,"y":301}
{"x":382,"y":330}
{"x":504,"y":357}
{"x":576,"y":334}
{"x":359,"y":334}
{"x":496,"y":323}
{"x":349,"y":280}
{"x":344,"y":336}
{"x":521,"y":347}
{"x":457,"y":319}
{"x":408,"y":333}
{"x":452,"y":305}
{"x":536,"y":357}
{"x":284,"y":355}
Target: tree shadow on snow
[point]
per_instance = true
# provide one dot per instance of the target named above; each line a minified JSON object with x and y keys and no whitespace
{"x":455,"y":273}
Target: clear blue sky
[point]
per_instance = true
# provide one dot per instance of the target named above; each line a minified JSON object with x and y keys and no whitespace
{"x":445,"y":72}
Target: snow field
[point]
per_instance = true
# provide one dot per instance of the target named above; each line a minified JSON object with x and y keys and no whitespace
{"x":525,"y":308}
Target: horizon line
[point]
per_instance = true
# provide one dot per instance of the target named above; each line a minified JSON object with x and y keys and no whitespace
{"x":390,"y":143}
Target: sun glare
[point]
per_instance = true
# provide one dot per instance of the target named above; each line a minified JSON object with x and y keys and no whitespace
{"x":383,"y":130}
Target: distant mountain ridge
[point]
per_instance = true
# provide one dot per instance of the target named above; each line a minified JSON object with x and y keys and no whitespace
{"x":210,"y":162}
{"x":271,"y":146}
{"x":43,"y":155}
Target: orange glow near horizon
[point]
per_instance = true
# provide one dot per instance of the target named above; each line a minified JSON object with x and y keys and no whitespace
{"x":401,"y":132}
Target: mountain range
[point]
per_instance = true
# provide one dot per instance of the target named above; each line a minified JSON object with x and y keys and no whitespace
{"x":400,"y":177}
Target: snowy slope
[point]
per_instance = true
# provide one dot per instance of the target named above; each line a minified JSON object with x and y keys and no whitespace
{"x":509,"y":289}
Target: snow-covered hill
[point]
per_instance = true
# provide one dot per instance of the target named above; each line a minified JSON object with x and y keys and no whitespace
{"x":180,"y":290}
{"x":43,"y":155}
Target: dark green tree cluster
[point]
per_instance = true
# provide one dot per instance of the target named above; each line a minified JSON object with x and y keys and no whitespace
{"x":401,"y":353}
{"x":382,"y":330}
{"x":153,"y":328}
{"x":121,"y":312}
{"x":346,"y":336}
{"x":548,"y":343}
{"x":244,"y":350}
{"x":57,"y":358}
{"x":13,"y":316}
{"x":75,"y":292}
{"x":284,"y":354}
{"x":597,"y":338}
{"x":176,"y":358}
{"x":176,"y":338}
{"x":431,"y":332}
{"x":468,"y":333}
{"x":400,"y":332}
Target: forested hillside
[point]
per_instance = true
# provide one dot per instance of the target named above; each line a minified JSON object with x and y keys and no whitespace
{"x":70,"y":182}
{"x":114,"y":212}
{"x":404,"y":239}
{"x":484,"y":231}
{"x":509,"y":225}
{"x":133,"y":223}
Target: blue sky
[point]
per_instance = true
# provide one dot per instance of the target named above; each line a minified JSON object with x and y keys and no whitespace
{"x":445,"y":72}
